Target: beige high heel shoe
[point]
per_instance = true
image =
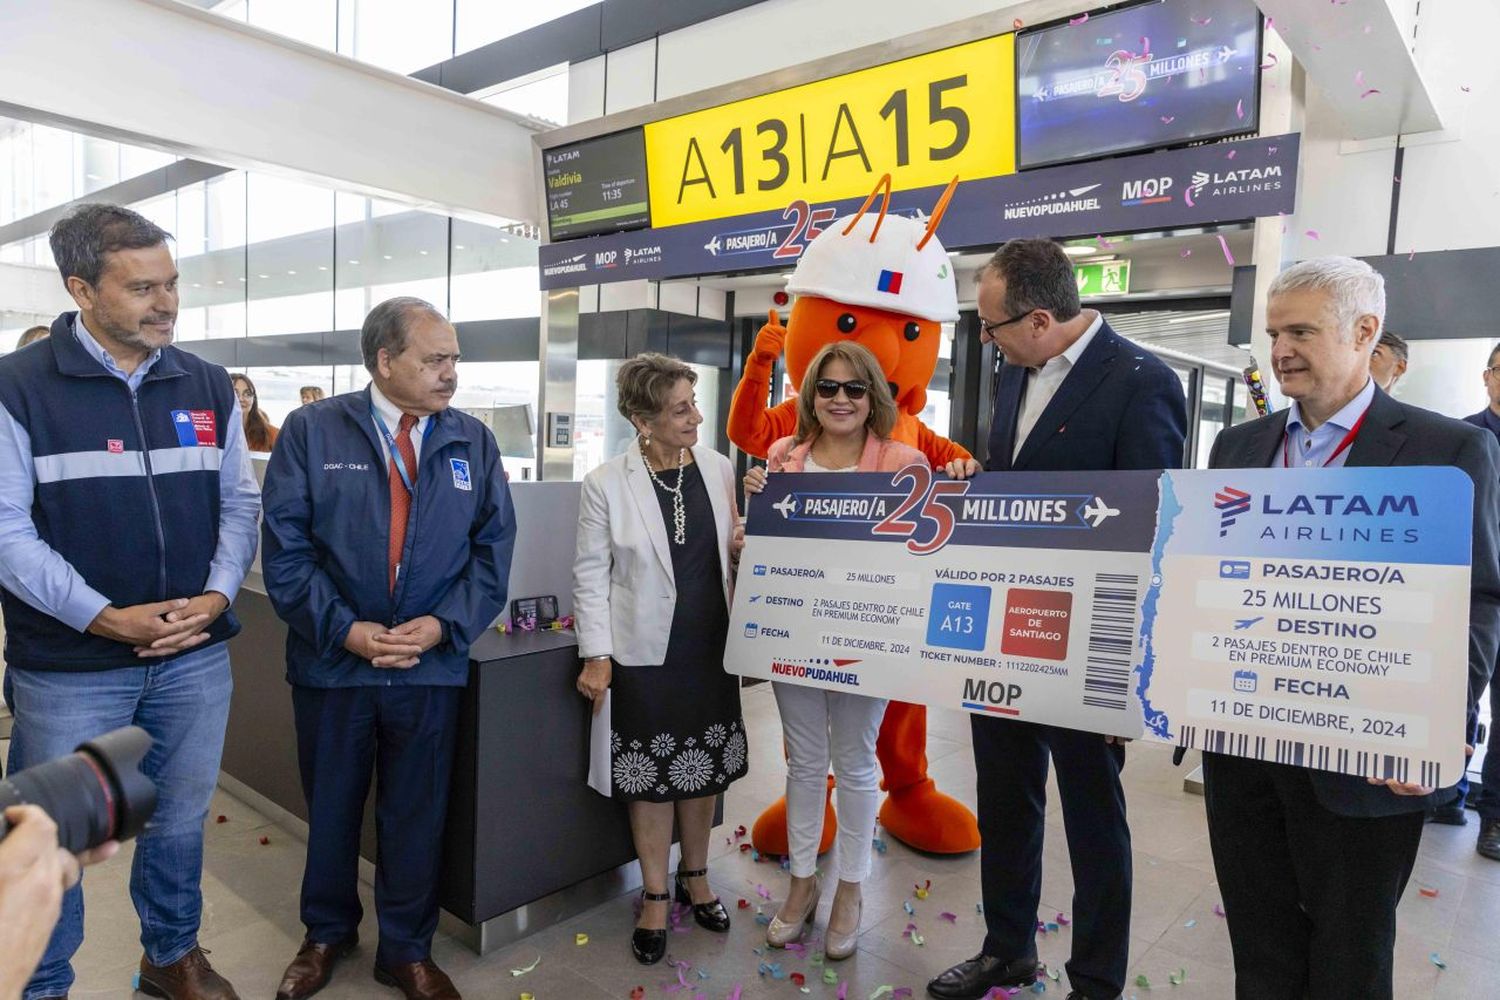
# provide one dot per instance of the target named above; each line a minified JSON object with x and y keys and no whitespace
{"x":780,"y":933}
{"x":837,"y":947}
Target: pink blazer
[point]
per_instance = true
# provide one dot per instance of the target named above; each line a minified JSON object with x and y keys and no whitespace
{"x":880,"y":455}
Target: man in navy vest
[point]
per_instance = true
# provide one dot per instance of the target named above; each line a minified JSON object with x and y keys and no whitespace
{"x":1073,"y":395}
{"x":388,"y":537}
{"x":127,"y":522}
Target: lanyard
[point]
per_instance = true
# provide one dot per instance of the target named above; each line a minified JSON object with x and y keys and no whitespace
{"x":1286,"y":455}
{"x":390,"y":442}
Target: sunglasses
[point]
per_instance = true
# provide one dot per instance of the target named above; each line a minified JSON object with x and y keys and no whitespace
{"x":854,"y":390}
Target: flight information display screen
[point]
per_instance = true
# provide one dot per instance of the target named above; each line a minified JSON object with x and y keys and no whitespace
{"x":597,"y":186}
{"x":1154,"y":74}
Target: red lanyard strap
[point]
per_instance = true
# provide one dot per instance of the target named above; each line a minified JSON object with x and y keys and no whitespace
{"x":1286,"y":454}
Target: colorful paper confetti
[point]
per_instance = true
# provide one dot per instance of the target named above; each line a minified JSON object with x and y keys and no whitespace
{"x":1239,"y":109}
{"x":264,"y":841}
{"x":1430,"y":893}
{"x":798,"y":979}
{"x":525,"y":969}
{"x":1168,"y":119}
{"x":1177,"y":978}
{"x":1219,"y":910}
{"x":1202,"y":22}
{"x":1191,"y":924}
{"x":911,"y":911}
{"x":1313,"y":234}
{"x":1271,"y":60}
{"x":580,"y":939}
{"x":879,"y":845}
{"x":952,"y":918}
{"x":1369,"y":93}
{"x":638,"y":993}
{"x":1224,"y":245}
{"x":1437,"y":960}
{"x":1143,"y":982}
{"x":1018,"y":24}
{"x":922,"y":891}
{"x":1082,"y":18}
{"x":1063,"y":920}
{"x":830,"y":977}
{"x":222,"y":819}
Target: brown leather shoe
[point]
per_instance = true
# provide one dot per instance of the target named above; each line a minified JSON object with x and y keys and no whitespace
{"x":188,"y":978}
{"x":311,"y":969}
{"x":418,"y":980}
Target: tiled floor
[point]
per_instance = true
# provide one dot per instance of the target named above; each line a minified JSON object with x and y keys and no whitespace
{"x":250,"y":922}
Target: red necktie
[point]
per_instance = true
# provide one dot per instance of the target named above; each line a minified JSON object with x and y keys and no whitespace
{"x":400,"y":498}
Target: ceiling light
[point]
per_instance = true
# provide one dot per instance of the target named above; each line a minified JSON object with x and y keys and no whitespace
{"x":263,"y":275}
{"x":219,"y":282}
{"x":386,"y":256}
{"x":322,"y":267}
{"x":354,"y":262}
{"x":458,"y":246}
{"x":291,"y":272}
{"x":1079,"y":251}
{"x":422,"y":252}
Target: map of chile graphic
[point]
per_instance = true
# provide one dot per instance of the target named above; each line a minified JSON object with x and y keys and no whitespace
{"x":1231,"y":503}
{"x":1156,"y":720}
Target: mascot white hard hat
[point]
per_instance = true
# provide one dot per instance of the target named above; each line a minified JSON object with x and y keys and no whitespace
{"x":882,"y":262}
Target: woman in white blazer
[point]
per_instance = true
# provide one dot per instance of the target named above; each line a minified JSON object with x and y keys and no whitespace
{"x":651,"y":581}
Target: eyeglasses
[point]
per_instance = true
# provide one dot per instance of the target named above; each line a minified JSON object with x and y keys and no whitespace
{"x":828,"y":388}
{"x":988,"y":329}
{"x":1493,"y":370}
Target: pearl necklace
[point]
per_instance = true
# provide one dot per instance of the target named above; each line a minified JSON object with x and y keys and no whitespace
{"x":679,"y":513}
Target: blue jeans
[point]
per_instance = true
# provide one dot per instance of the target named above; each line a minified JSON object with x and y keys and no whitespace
{"x":184,"y":704}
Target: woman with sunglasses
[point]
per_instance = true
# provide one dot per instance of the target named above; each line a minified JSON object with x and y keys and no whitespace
{"x":844,"y":416}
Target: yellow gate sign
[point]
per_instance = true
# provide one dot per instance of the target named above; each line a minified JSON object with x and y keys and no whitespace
{"x":923,"y":120}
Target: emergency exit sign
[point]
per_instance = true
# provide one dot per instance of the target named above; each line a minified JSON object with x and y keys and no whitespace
{"x":1107,"y":277}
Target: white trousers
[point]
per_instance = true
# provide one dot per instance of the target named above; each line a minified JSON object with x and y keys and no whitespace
{"x":819,"y":725}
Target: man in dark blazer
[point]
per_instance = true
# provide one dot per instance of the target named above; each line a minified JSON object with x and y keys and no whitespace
{"x":1073,"y":395}
{"x":1312,"y":864}
{"x":1487,"y":799}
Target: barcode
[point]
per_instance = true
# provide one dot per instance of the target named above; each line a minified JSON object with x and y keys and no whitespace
{"x":1106,"y":672}
{"x":1365,"y":763}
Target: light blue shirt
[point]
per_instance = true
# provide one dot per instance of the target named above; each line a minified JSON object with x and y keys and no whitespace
{"x":34,"y":572}
{"x":1306,"y":449}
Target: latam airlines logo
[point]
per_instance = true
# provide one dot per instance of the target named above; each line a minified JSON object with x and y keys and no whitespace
{"x":1251,"y":180}
{"x":1230,"y":503}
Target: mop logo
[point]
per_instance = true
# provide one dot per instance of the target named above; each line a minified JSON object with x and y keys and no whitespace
{"x":1230,"y":503}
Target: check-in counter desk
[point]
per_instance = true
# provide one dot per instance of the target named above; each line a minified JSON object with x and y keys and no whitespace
{"x":528,"y":843}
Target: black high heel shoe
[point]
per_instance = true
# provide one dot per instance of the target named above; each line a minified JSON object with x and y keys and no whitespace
{"x":650,"y":945}
{"x":710,"y":916}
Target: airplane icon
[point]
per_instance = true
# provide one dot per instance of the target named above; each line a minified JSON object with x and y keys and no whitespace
{"x":786,"y":505}
{"x":1096,"y":511}
{"x":712,"y":246}
{"x":1240,"y":624}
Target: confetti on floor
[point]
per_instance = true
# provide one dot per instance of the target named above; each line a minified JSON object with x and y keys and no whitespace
{"x":580,"y":939}
{"x":525,"y":969}
{"x":1436,"y":960}
{"x":1177,"y":978}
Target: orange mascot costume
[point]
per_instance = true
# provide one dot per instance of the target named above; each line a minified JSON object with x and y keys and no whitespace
{"x":889,"y":287}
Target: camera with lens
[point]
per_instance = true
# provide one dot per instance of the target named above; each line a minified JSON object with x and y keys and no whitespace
{"x":94,"y":795}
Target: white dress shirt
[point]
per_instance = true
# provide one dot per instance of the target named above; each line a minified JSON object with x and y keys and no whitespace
{"x":392,"y":417}
{"x":1042,"y":383}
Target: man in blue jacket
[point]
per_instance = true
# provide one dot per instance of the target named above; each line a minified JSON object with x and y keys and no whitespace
{"x":387,"y":542}
{"x":127,"y":523}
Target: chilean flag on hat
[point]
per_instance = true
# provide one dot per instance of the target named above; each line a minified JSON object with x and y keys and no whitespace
{"x":890,"y":281}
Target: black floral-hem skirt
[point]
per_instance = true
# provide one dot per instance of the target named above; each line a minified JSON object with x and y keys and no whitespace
{"x":675,"y":732}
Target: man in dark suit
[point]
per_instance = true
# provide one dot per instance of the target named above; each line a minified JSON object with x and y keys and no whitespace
{"x":1487,"y":800}
{"x":1312,"y":864}
{"x":1073,"y":395}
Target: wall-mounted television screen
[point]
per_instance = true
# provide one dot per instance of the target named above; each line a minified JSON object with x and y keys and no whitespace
{"x":1153,"y":74}
{"x":597,"y":186}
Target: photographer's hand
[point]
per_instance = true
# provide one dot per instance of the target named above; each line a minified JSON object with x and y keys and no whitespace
{"x":33,"y":875}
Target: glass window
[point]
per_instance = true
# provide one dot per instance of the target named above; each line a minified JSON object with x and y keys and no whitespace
{"x":399,"y":35}
{"x":503,"y":395}
{"x":483,"y":21}
{"x":385,"y":250}
{"x":312,"y":21}
{"x":290,"y":256}
{"x":494,"y":273}
{"x":543,"y":95}
{"x":600,"y":433}
{"x":278,"y":388}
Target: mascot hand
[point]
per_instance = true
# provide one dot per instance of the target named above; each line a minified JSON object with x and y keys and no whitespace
{"x":769,"y":341}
